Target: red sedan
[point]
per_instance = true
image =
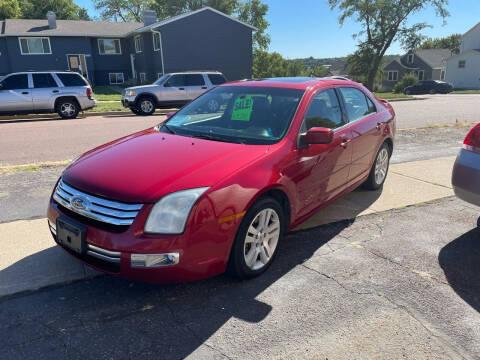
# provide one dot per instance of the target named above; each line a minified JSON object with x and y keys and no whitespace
{"x":217,"y":185}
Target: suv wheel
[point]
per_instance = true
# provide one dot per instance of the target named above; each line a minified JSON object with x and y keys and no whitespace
{"x":67,"y":108}
{"x":432,"y":91}
{"x":257,"y":239}
{"x":146,"y":106}
{"x":135,"y":110}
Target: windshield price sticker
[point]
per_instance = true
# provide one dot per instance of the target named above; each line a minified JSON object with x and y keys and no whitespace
{"x":242,"y":109}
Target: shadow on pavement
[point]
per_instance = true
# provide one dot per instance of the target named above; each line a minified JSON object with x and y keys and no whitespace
{"x":460,"y":261}
{"x":116,"y":318}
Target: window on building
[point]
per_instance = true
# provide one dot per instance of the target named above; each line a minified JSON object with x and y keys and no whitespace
{"x":35,"y":46}
{"x":156,"y":41}
{"x":420,"y":74}
{"x":324,"y":111}
{"x":356,"y":103}
{"x":143,"y":78}
{"x":138,"y":44}
{"x":194,"y":80}
{"x":109,"y":46}
{"x":71,"y":79}
{"x":116,"y":78}
{"x":410,"y":58}
{"x":216,"y":79}
{"x":442,"y":75}
{"x":159,"y":75}
{"x":41,"y":81}
{"x":392,"y":76}
{"x":15,"y":82}
{"x":461,"y":64}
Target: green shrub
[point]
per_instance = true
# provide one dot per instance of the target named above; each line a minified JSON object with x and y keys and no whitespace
{"x":407,"y":80}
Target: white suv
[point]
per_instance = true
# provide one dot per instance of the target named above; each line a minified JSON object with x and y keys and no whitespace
{"x":66,"y":93}
{"x":170,"y":91}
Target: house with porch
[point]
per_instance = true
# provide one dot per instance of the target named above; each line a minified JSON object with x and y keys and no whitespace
{"x":427,"y":64}
{"x":114,"y":52}
{"x":463,"y":69}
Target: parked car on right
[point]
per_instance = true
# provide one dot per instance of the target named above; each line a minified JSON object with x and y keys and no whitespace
{"x":428,"y":87}
{"x":466,"y":171}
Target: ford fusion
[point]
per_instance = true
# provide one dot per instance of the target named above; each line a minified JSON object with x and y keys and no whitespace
{"x":209,"y":191}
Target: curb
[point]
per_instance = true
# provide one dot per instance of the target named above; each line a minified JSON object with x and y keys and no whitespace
{"x":406,"y":99}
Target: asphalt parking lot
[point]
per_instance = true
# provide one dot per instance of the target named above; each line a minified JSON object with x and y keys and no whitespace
{"x":399,"y":284}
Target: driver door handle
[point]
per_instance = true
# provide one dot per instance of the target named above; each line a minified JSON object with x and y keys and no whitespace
{"x":25,"y":93}
{"x":181,"y":88}
{"x":345,"y":142}
{"x":55,"y":91}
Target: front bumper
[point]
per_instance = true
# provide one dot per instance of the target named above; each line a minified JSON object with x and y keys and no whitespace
{"x":128,"y":101}
{"x":109,"y":249}
{"x":466,"y":176}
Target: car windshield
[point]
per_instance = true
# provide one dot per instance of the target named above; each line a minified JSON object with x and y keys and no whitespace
{"x":161,"y":79}
{"x":240,"y":114}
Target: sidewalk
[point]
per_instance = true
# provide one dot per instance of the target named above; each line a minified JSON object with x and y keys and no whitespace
{"x":31,"y":260}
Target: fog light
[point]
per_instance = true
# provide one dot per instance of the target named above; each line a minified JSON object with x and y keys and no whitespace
{"x":53,"y":228}
{"x":154,"y":260}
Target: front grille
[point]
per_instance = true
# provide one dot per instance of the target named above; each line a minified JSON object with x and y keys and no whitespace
{"x":94,"y":207}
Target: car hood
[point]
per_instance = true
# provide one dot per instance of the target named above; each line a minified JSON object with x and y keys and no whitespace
{"x":143,"y":167}
{"x":142,"y":87}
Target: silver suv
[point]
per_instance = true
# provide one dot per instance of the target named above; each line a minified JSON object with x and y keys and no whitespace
{"x":170,"y":91}
{"x":66,"y":93}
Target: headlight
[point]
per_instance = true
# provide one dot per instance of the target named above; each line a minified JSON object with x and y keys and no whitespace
{"x":131,"y":93}
{"x":170,"y":213}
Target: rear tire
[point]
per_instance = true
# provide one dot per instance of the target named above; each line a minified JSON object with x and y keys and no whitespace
{"x":67,"y":108}
{"x":432,"y":91}
{"x":146,"y":105}
{"x":256,"y":242}
{"x":379,"y":170}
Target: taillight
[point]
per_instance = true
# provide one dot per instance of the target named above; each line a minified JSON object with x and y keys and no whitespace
{"x":472,"y":141}
{"x":89,"y":92}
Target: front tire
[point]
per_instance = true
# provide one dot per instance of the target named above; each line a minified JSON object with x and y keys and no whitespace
{"x":379,"y":170}
{"x":135,"y":110}
{"x":432,"y":92}
{"x":256,"y":242}
{"x":146,"y":106}
{"x":67,"y":108}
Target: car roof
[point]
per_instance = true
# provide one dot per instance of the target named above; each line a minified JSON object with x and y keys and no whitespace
{"x":302,"y":83}
{"x":44,"y":72}
{"x":195,"y":72}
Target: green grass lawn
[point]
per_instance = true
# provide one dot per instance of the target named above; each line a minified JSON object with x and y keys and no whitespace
{"x":390,"y":95}
{"x":465,"y":92}
{"x":103,"y":106}
{"x":103,"y":93}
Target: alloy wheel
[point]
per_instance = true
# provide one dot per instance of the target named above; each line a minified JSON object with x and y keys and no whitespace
{"x":67,"y":109}
{"x":261,"y":239}
{"x":381,"y":166}
{"x":146,"y":106}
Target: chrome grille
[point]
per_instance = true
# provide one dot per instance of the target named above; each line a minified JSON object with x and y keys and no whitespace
{"x":107,"y":211}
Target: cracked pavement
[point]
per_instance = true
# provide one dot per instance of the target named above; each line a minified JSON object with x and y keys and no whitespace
{"x":398,"y":284}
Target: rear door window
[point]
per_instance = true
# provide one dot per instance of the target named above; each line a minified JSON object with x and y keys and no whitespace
{"x":194,"y":80}
{"x":324,"y":111}
{"x":356,"y":104}
{"x":72,"y":80}
{"x":217,"y":79}
{"x":43,"y":81}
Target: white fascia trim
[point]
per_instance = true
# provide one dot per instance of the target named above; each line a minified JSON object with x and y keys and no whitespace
{"x":182,"y":16}
{"x":103,"y":36}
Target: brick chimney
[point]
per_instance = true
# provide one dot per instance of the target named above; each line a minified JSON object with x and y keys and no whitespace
{"x":52,"y":20}
{"x":149,"y":17}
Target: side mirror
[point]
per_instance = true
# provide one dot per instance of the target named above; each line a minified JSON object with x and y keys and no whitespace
{"x":1,"y":86}
{"x":166,"y":84}
{"x":319,"y":135}
{"x":170,"y":114}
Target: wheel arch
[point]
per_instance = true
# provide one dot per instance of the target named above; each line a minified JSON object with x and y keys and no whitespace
{"x":280,"y":195}
{"x":71,"y":97}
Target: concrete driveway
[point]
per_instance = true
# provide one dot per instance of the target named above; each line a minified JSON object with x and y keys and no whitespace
{"x":437,"y":110}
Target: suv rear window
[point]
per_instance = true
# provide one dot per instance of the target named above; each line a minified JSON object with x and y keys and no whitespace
{"x":43,"y":81}
{"x":72,"y":80}
{"x":217,"y":79}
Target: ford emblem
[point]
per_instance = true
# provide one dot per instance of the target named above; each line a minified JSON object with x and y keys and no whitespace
{"x":79,"y":203}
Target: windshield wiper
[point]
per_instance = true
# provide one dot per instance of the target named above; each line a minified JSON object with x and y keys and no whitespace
{"x":170,"y":130}
{"x":214,"y":138}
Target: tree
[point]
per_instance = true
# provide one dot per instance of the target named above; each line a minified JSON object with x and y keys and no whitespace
{"x":253,"y":12}
{"x":64,"y":9}
{"x":383,"y":22}
{"x":168,"y":8}
{"x":9,"y":9}
{"x":266,"y":65}
{"x":452,"y":42}
{"x":122,"y":10}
